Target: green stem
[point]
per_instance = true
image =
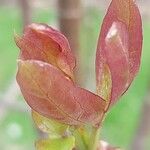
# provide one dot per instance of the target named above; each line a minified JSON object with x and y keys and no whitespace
{"x":94,"y":139}
{"x":80,"y":145}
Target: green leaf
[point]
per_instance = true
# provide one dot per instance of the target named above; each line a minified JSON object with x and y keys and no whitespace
{"x":67,"y":143}
{"x":52,"y":127}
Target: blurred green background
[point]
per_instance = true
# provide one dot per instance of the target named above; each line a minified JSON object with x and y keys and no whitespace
{"x":17,"y":130}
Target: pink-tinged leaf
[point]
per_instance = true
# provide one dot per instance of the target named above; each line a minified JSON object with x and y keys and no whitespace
{"x":119,"y":46}
{"x":41,"y":42}
{"x":116,"y":54}
{"x":52,"y":94}
{"x":106,"y":146}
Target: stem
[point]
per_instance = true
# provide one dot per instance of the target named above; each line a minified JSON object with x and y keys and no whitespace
{"x":79,"y":141}
{"x":94,"y":139}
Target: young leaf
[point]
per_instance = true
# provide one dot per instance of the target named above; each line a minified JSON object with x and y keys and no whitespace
{"x":41,"y":42}
{"x":52,"y":94}
{"x":53,"y":128}
{"x":67,"y":143}
{"x":119,"y":46}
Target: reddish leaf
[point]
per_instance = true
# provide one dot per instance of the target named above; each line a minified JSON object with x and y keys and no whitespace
{"x":41,"y":42}
{"x":120,"y":45}
{"x":48,"y":91}
{"x":116,"y":56}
